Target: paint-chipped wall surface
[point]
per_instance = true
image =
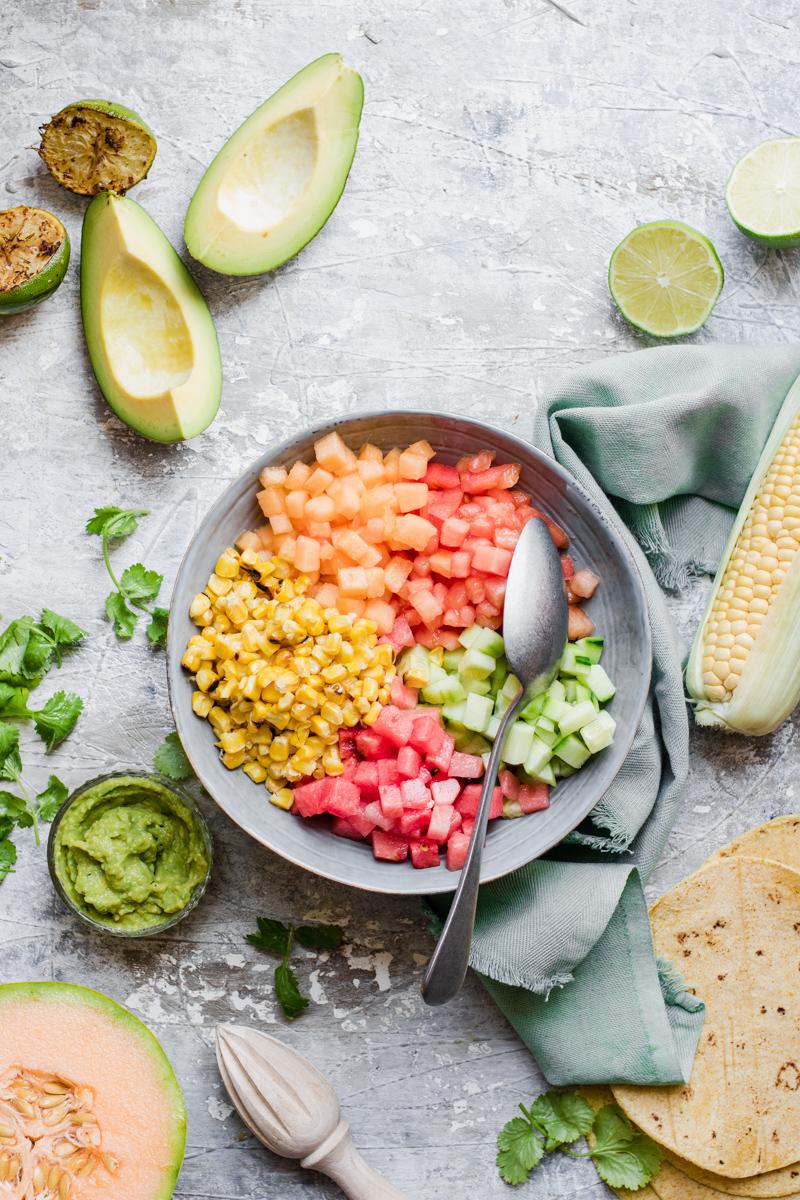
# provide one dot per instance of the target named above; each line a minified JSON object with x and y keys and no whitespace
{"x":506,"y":147}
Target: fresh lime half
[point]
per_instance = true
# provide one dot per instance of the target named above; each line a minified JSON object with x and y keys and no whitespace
{"x":34,"y":255}
{"x":95,"y":146}
{"x":763,"y":192}
{"x":664,"y":278}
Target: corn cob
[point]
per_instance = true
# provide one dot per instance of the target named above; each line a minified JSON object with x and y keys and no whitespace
{"x":743,"y":673}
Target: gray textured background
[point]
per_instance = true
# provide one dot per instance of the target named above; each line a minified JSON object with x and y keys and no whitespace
{"x":506,"y":147}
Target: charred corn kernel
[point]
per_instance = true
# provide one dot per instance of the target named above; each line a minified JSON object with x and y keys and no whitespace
{"x":320,"y":726}
{"x":201,"y":704}
{"x":282,"y":798}
{"x":248,"y":558}
{"x":372,"y":714}
{"x":234,"y":741}
{"x":218,"y":586}
{"x":191,"y":659}
{"x":279,"y":749}
{"x":205,"y":679}
{"x":256,"y":771}
{"x":199,"y":605}
{"x":744,"y":670}
{"x":227,"y":566}
{"x":334,"y":673}
{"x":331,"y":713}
{"x":301,"y":712}
{"x":331,"y":762}
{"x":369,"y":689}
{"x":237,"y":611}
{"x":232,"y":761}
{"x":384,"y":654}
{"x":307,"y":695}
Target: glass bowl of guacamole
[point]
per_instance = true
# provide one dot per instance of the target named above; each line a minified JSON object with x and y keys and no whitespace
{"x":130,"y":853}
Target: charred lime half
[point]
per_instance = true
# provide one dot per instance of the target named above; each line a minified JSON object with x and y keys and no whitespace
{"x":95,"y":146}
{"x":34,"y":255}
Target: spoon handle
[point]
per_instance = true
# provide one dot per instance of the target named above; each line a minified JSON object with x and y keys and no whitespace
{"x":448,"y":965}
{"x":357,"y":1179}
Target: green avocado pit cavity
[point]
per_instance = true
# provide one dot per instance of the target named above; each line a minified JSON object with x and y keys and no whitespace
{"x":129,"y":852}
{"x":279,"y":177}
{"x":149,"y":333}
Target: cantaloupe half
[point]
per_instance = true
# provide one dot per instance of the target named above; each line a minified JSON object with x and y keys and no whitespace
{"x":89,"y":1104}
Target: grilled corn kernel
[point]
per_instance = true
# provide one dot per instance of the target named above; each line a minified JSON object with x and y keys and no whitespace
{"x":282,"y":798}
{"x":201,"y":704}
{"x":256,"y":771}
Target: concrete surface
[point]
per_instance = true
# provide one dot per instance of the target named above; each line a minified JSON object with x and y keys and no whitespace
{"x":506,"y":147}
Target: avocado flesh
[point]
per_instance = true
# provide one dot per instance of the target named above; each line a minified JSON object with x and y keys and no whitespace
{"x":149,"y":333}
{"x":279,"y":177}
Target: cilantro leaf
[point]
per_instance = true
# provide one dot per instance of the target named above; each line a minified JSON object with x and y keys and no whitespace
{"x":624,"y":1157}
{"x":123,"y":617}
{"x":58,"y":717}
{"x":137,"y":584}
{"x":50,"y":800}
{"x":319,"y":937}
{"x":157,"y":629}
{"x":8,"y":856}
{"x":171,"y":760}
{"x":6,"y":827}
{"x":273,"y":936}
{"x":10,"y":762}
{"x":25,"y":653}
{"x":288,"y":993}
{"x":562,"y":1117}
{"x":14,"y":809}
{"x":519,"y":1150}
{"x":14,"y":702}
{"x":113,"y":523}
{"x":62,"y":631}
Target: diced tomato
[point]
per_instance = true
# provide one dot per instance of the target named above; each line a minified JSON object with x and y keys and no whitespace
{"x":457,"y":847}
{"x":341,"y":798}
{"x":424,"y":854}
{"x":439,"y":824}
{"x":388,"y":772}
{"x":309,"y":798}
{"x":347,"y":743}
{"x":372,"y":745}
{"x":393,"y":724}
{"x":415,"y":794}
{"x":476,"y":462}
{"x":413,"y":821}
{"x":445,"y":791}
{"x":467,"y":802}
{"x":403,"y":696}
{"x":391,"y":802}
{"x":465,"y":766}
{"x":389,"y":846}
{"x":409,"y":762}
{"x":509,"y":784}
{"x":505,"y":476}
{"x":440,"y":475}
{"x":533,"y":797}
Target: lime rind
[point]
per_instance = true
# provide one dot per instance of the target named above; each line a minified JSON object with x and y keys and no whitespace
{"x":763,"y":193}
{"x":94,"y":146}
{"x":665,"y":278}
{"x":42,"y":280}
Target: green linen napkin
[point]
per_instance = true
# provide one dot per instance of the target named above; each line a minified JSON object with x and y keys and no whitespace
{"x":665,"y":441}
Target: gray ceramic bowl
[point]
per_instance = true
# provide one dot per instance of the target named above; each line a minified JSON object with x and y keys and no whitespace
{"x":618,"y":609}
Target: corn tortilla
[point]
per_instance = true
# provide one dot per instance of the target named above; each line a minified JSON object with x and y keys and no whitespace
{"x":778,"y":840}
{"x":734,"y":929}
{"x":783,"y":1183}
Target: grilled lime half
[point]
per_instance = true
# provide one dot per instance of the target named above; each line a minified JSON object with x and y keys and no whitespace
{"x":96,"y":146}
{"x":664,"y":278}
{"x":34,"y":256}
{"x":763,"y":192}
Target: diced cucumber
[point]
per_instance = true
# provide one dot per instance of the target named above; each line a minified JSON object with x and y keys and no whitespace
{"x":451,"y":660}
{"x":573,"y":660}
{"x":533,"y":709}
{"x":454,"y":713}
{"x":599,"y":733}
{"x":470,"y":743}
{"x":545,"y":775}
{"x":476,"y":665}
{"x":447,"y":690}
{"x":539,"y":756}
{"x":555,"y":708}
{"x":582,"y":692}
{"x":468,"y":636}
{"x":579,"y":714}
{"x":592,"y":647}
{"x":518,"y":743}
{"x":488,"y":642}
{"x":556,"y":691}
{"x":546,"y":731}
{"x":492,"y":728}
{"x":479,"y":686}
{"x":570,"y":686}
{"x":598,"y":682}
{"x":499,"y":676}
{"x":477,"y":712}
{"x":572,"y":751}
{"x":562,"y":770}
{"x":511,"y":688}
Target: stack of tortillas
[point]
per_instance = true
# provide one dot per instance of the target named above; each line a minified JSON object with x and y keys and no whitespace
{"x":733,"y":929}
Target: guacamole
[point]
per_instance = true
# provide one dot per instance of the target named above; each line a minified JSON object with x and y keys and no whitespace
{"x":129,"y":852}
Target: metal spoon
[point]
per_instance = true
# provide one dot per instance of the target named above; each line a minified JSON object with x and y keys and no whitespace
{"x":534,"y":632}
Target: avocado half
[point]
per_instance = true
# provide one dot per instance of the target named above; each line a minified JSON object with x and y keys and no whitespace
{"x":276,"y":181}
{"x":149,"y":333}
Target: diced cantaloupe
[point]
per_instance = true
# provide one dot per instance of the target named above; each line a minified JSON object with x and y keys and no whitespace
{"x":319,"y":529}
{"x":411,"y":465}
{"x":320,"y":508}
{"x":351,"y":604}
{"x":411,"y":497}
{"x":354,"y":546}
{"x":382,"y":614}
{"x":375,"y":583}
{"x":427,"y":605}
{"x":249,"y":540}
{"x":295,"y":504}
{"x":272,"y":475}
{"x":370,"y":472}
{"x":326,"y":550}
{"x":266,"y":537}
{"x":285,"y":548}
{"x":378,"y":502}
{"x":413,"y":531}
{"x":347,"y":500}
{"x":317,"y":481}
{"x":271,"y":501}
{"x":391,"y":468}
{"x":373,"y":531}
{"x":280,"y":523}
{"x":370,"y":453}
{"x":352,"y":582}
{"x":423,"y":449}
{"x":306,"y":554}
{"x":298,"y":475}
{"x":332,"y":454}
{"x":397,"y":572}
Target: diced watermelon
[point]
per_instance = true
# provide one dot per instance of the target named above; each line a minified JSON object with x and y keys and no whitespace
{"x":341,"y":797}
{"x":366,"y":780}
{"x":467,"y":802}
{"x":460,"y":564}
{"x":492,"y":560}
{"x":401,"y":635}
{"x":445,"y":791}
{"x":504,"y":476}
{"x":455,"y":823}
{"x":345,"y":829}
{"x":439,"y":824}
{"x":389,"y":846}
{"x":466,"y":766}
{"x":467,"y":825}
{"x":388,"y":772}
{"x":402,"y":696}
{"x":373,"y":812}
{"x":533,"y":797}
{"x":457,"y":847}
{"x":440,"y":475}
{"x":372,"y":745}
{"x":394,"y":725}
{"x":460,"y":618}
{"x":509,"y":785}
{"x":475,"y":590}
{"x":482,"y":527}
{"x":347,"y":743}
{"x":413,"y":822}
{"x":442,"y":505}
{"x":409,"y":762}
{"x":424,"y":854}
{"x":453,"y":531}
{"x":360,"y":824}
{"x":495,"y":592}
{"x":505,"y":538}
{"x":391,"y":802}
{"x":427,"y":736}
{"x":440,"y":759}
{"x":309,"y":798}
{"x":415,"y":794}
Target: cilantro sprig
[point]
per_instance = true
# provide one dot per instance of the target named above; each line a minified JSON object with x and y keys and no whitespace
{"x":170,"y":759}
{"x":21,"y":809}
{"x":623,"y":1156}
{"x":137,"y":586}
{"x":277,"y":938}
